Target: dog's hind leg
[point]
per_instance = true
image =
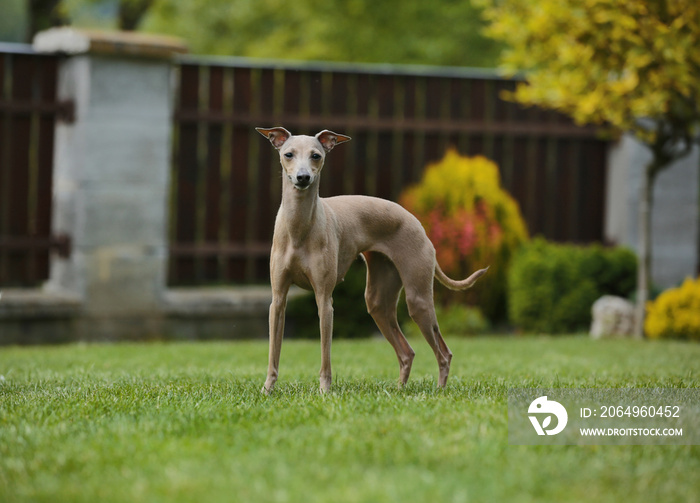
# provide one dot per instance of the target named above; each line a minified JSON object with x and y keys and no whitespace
{"x":382,"y":295}
{"x":419,"y":297}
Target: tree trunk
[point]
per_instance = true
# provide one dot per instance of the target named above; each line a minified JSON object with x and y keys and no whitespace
{"x":665,"y":151}
{"x":646,"y":201}
{"x":45,"y":14}
{"x":132,"y":12}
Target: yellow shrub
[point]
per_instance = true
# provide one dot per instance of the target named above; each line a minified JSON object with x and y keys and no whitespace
{"x":472,"y":221}
{"x":675,"y":313}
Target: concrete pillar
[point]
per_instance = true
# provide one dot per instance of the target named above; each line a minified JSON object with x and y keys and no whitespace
{"x":111,"y":176}
{"x":676,"y":211}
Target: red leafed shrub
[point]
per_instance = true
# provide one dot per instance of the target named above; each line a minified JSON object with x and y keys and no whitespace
{"x":473,"y":223}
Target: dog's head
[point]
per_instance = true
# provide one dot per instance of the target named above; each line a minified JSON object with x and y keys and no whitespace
{"x":302,"y":156}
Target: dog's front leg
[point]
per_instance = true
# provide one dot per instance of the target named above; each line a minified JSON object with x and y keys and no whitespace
{"x":277,"y":310}
{"x":325,"y":314}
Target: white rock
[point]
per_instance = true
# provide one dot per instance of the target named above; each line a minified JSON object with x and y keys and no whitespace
{"x":612,"y":317}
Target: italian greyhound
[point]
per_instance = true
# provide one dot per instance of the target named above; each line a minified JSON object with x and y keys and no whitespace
{"x":316,"y":240}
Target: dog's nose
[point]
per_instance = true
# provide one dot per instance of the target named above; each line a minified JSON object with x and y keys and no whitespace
{"x":303,"y":178}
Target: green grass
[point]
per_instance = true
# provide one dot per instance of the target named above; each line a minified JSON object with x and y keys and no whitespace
{"x":186,"y":422}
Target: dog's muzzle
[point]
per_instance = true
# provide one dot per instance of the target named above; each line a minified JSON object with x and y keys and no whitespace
{"x":302,"y":180}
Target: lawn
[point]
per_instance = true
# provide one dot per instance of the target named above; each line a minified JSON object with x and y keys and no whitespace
{"x":186,"y":422}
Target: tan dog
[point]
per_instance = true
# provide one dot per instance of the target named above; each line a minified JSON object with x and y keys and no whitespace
{"x":316,"y":240}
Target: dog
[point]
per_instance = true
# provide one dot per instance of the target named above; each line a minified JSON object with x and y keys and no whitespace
{"x":316,"y":240}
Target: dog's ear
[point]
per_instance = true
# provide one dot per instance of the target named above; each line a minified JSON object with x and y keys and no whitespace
{"x":276,"y":135}
{"x":329,"y":139}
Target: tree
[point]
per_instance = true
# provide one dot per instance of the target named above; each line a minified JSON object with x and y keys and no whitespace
{"x":132,"y":12}
{"x":633,"y":66}
{"x":442,"y":32}
{"x":44,"y":14}
{"x":14,"y":21}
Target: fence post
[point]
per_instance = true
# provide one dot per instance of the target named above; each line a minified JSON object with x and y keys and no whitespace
{"x":111,"y":177}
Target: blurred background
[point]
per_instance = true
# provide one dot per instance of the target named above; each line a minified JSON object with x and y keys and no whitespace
{"x":136,"y":200}
{"x":445,"y":33}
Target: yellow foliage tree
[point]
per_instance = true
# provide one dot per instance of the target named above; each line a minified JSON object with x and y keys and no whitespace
{"x":633,"y":65}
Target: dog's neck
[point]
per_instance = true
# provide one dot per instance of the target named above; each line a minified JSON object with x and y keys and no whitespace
{"x":300,"y":209}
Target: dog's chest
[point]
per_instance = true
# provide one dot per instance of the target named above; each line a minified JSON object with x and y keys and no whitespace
{"x":299,"y":271}
{"x":296,"y":263}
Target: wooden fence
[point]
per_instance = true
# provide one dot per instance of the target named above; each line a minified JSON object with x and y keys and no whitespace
{"x":28,"y":112}
{"x":227,"y":181}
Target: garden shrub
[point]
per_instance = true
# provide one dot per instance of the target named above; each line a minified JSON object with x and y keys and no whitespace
{"x":454,"y":320}
{"x":553,"y":286}
{"x":350,"y":317}
{"x":675,"y":313}
{"x":473,"y":223}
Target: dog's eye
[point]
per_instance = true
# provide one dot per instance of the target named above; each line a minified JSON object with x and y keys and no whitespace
{"x":315,"y":156}
{"x":289,"y":155}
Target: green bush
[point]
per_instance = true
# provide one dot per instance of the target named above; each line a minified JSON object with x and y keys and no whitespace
{"x":553,"y":286}
{"x":454,"y":320}
{"x":350,"y":317}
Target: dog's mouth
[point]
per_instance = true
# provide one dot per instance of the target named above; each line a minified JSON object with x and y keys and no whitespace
{"x":300,"y":184}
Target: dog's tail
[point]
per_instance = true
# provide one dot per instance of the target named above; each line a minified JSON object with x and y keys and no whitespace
{"x":458,"y":285}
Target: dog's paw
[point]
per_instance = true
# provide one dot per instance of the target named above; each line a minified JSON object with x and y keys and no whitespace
{"x":325,"y":385}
